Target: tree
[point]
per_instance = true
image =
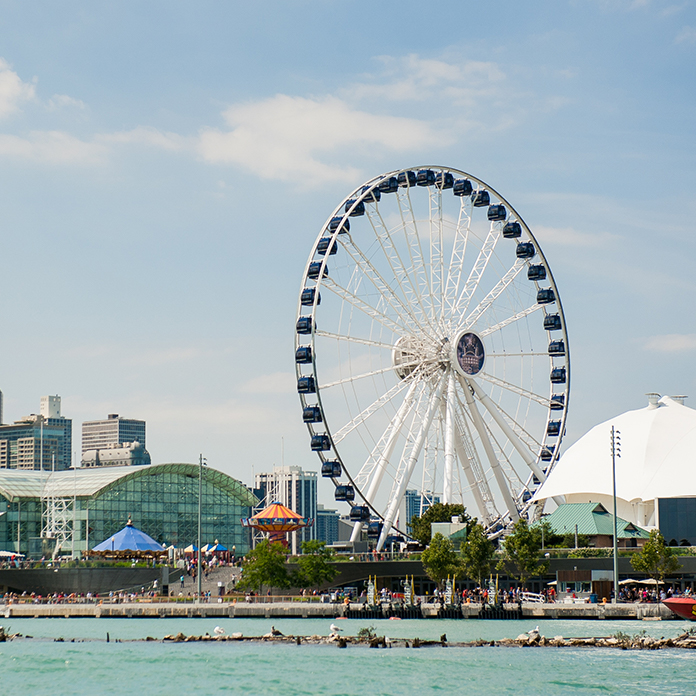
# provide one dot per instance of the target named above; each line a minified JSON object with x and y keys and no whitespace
{"x":522,"y":552}
{"x":314,"y":567}
{"x":655,"y":559}
{"x":439,"y":512}
{"x":440,"y":559}
{"x":477,"y":554}
{"x":265,"y":565}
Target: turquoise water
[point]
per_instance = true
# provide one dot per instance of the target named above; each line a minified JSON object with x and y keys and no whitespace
{"x":41,"y":666}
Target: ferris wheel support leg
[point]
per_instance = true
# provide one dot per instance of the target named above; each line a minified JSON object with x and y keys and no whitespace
{"x":492,"y":459}
{"x":449,"y":441}
{"x":483,"y":509}
{"x":510,"y":434}
{"x":411,"y":464}
{"x":386,"y":455}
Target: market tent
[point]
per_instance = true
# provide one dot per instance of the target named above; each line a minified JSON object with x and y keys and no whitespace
{"x":11,"y":554}
{"x":191,"y":548}
{"x":129,"y":539}
{"x":218,"y":547}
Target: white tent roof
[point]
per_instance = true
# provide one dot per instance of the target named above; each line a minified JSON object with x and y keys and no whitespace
{"x":658,"y":456}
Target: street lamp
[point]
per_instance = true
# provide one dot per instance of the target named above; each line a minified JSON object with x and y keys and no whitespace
{"x":200,"y":500}
{"x":615,"y":452}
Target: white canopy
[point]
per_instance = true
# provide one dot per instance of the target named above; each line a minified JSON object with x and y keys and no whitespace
{"x":658,"y":456}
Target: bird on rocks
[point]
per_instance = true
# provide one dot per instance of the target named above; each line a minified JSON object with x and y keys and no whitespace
{"x":275,"y":631}
{"x":218,"y":631}
{"x":533,"y":631}
{"x":335,"y":628}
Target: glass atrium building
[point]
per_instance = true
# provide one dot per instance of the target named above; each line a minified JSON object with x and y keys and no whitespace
{"x":79,"y":508}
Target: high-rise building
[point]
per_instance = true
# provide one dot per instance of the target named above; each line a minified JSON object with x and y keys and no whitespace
{"x":112,"y":432}
{"x":415,"y":504}
{"x":326,"y":525}
{"x":50,"y":410}
{"x":37,"y":441}
{"x":294,"y":488}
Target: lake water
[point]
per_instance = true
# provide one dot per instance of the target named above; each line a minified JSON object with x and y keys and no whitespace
{"x":42,"y":666}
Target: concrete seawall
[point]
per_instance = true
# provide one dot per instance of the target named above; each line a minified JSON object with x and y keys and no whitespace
{"x":277,"y":610}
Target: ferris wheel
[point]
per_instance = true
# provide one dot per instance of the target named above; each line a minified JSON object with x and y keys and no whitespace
{"x":431,"y":352}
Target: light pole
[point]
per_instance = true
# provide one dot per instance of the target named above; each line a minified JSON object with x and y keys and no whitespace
{"x":615,"y":452}
{"x":200,"y":514}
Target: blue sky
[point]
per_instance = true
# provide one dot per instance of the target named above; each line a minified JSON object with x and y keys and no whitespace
{"x":165,"y":168}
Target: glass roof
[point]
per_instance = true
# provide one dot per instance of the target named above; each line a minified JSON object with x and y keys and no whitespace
{"x":82,"y":483}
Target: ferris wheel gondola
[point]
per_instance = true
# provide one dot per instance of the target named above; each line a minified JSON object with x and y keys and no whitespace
{"x":431,"y":351}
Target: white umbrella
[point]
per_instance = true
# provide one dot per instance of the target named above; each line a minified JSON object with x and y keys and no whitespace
{"x":628,"y":581}
{"x":651,"y":581}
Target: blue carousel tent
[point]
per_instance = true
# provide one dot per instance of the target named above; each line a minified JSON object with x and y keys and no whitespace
{"x":129,"y":539}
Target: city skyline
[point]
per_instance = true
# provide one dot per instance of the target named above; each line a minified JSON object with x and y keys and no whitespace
{"x":166,"y":172}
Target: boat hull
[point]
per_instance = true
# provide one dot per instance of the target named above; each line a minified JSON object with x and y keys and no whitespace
{"x":682,"y":606}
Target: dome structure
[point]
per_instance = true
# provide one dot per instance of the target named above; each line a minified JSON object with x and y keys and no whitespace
{"x":657,"y":460}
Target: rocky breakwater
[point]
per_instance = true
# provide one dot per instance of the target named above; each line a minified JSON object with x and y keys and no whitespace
{"x":621,"y":641}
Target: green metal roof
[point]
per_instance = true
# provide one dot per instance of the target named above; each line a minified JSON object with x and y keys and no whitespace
{"x":88,"y":482}
{"x":592,"y":519}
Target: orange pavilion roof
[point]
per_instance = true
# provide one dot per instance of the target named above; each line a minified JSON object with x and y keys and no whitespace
{"x":277,"y":518}
{"x":276,"y":511}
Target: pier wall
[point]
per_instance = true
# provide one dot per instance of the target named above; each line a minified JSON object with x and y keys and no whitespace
{"x":279,"y":610}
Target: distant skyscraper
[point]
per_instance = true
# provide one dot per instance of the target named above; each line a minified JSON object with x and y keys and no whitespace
{"x":294,"y":488}
{"x":416,"y":504}
{"x":38,"y":441}
{"x":112,"y":432}
{"x":50,"y":406}
{"x":326,"y":524}
{"x":1,"y":409}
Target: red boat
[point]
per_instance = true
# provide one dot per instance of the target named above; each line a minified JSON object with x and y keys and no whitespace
{"x":682,"y":606}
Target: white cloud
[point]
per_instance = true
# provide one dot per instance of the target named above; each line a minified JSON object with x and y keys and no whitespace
{"x":13,"y":91}
{"x":143,"y":135}
{"x":412,"y":78}
{"x":290,"y":138}
{"x":52,"y":147}
{"x":672,"y":343}
{"x":62,"y":101}
{"x":686,"y":35}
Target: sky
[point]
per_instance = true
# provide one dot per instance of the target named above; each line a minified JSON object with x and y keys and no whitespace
{"x":165,"y":168}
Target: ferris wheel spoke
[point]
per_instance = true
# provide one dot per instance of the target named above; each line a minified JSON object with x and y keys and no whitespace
{"x":498,"y":416}
{"x":476,"y":273}
{"x":402,"y":276}
{"x":375,"y":406}
{"x":520,"y":391}
{"x":354,"y":339}
{"x":415,"y":250}
{"x":374,"y":373}
{"x":459,"y":245}
{"x":437,"y":269}
{"x":485,"y":440}
{"x":410,"y":464}
{"x":398,"y":306}
{"x":398,"y":328}
{"x":449,"y":440}
{"x":493,"y":295}
{"x":511,"y":320}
